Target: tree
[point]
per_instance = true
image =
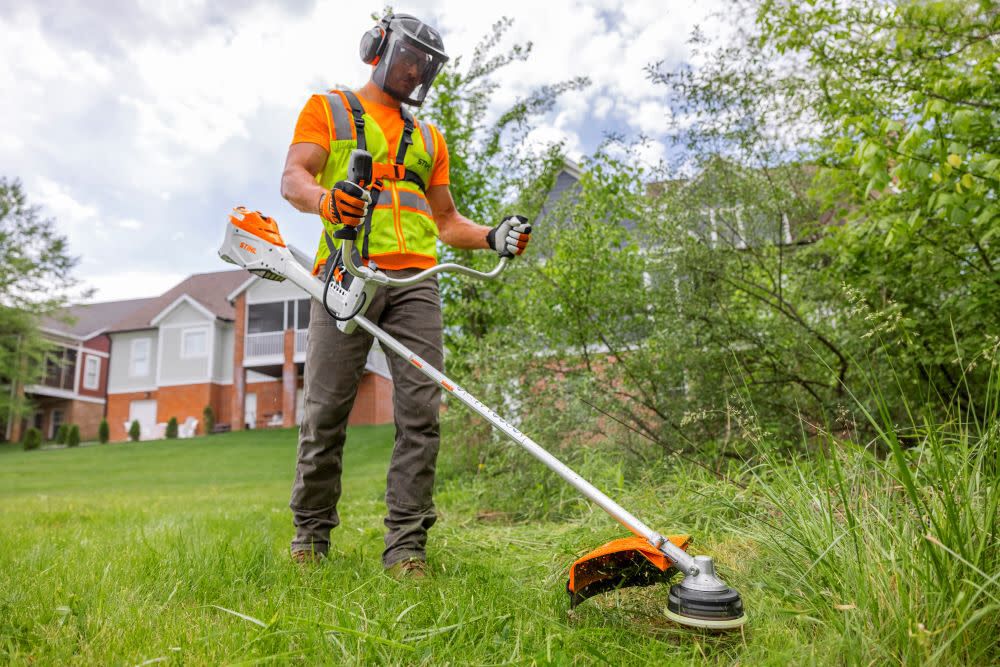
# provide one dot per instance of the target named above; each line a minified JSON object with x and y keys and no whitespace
{"x":492,"y":174}
{"x":892,"y":108}
{"x":208,"y":417}
{"x":32,"y":438}
{"x":35,"y":280}
{"x":171,"y":432}
{"x":73,"y":436}
{"x":62,"y":433}
{"x":134,"y":431}
{"x":103,"y":432}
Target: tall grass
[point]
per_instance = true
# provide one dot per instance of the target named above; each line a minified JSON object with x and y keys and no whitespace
{"x":892,"y":546}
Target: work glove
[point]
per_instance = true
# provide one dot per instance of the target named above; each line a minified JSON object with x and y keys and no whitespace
{"x":511,"y":236}
{"x":347,"y":203}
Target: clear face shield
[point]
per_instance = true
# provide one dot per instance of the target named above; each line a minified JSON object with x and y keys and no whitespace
{"x":406,"y":70}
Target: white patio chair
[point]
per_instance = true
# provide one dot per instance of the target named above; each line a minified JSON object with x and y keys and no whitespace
{"x":188,"y":428}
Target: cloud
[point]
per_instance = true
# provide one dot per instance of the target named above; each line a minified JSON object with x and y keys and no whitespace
{"x":137,"y":126}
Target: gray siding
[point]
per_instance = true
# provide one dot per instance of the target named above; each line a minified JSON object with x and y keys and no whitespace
{"x":184,"y":313}
{"x":177,"y":369}
{"x":223,"y":371}
{"x":120,"y":378}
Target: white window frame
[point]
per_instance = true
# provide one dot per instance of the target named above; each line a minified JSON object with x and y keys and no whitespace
{"x":91,"y":364}
{"x":136,"y":344}
{"x":185,"y":334}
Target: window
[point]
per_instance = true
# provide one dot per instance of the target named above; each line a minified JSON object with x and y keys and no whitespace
{"x":140,"y":358}
{"x":265,"y":317}
{"x":194,"y":343}
{"x":91,"y":372}
{"x":60,"y":369}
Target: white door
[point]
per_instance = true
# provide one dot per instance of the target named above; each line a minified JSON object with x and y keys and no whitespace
{"x":145,"y":413}
{"x":250,"y":411}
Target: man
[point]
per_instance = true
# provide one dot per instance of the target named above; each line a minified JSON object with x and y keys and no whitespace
{"x":410,"y":208}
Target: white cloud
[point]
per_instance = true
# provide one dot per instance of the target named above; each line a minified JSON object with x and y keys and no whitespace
{"x":177,"y":111}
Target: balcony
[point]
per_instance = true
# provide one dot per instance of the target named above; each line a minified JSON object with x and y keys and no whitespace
{"x":268,"y":348}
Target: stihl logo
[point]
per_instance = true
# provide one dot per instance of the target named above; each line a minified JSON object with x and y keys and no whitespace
{"x":247,"y":246}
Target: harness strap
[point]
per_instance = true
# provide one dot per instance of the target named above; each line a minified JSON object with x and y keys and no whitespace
{"x":358,"y":112}
{"x":396,"y":171}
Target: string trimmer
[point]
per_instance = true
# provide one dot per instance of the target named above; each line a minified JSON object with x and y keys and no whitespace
{"x":701,"y":599}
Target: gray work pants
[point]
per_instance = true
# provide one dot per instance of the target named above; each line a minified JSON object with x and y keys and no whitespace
{"x":334,"y":365}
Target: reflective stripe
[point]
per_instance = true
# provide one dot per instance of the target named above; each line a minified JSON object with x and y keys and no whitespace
{"x":413,"y":200}
{"x":428,"y":137}
{"x":342,"y":121}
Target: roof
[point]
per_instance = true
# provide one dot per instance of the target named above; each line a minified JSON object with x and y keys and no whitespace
{"x":89,"y":319}
{"x":207,"y":289}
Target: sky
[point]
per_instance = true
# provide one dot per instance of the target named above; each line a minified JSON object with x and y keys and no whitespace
{"x":138,"y":125}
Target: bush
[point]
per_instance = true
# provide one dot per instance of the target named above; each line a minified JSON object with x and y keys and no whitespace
{"x":208,"y":419}
{"x":73,"y":437}
{"x":103,"y":432}
{"x":61,"y":434}
{"x":134,"y":431}
{"x":32,"y":439}
{"x":172,"y":428}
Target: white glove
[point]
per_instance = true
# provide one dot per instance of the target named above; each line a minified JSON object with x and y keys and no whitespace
{"x":511,"y":236}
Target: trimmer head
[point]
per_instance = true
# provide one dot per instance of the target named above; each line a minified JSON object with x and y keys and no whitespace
{"x":701,"y":600}
{"x":704,"y":601}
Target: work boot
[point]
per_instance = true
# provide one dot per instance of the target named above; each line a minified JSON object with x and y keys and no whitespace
{"x":410,"y":568}
{"x":305,"y":558}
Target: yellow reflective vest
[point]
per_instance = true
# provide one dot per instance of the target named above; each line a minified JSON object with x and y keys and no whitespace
{"x":403,"y":233}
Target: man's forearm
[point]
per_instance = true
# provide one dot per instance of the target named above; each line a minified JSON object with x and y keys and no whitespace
{"x":460,"y":232}
{"x":301,"y":190}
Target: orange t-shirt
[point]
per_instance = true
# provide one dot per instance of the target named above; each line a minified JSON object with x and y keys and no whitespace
{"x":313,"y":127}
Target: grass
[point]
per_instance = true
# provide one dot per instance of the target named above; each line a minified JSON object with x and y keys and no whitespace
{"x":175,"y":552}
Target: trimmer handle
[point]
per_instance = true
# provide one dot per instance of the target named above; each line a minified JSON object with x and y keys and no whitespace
{"x":360,"y":168}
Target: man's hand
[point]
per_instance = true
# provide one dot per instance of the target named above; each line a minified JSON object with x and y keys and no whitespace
{"x":347,"y":203}
{"x":511,"y":236}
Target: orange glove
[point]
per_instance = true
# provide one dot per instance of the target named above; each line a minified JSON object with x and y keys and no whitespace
{"x":347,"y":203}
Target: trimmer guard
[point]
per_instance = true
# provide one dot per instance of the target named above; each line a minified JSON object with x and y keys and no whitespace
{"x":629,"y":561}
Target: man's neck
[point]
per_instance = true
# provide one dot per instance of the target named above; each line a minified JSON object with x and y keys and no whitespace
{"x":370,"y":91}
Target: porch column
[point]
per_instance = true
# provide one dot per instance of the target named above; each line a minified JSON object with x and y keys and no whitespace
{"x":289,"y":380}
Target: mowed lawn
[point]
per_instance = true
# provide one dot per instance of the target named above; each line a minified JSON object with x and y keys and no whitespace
{"x":176,"y":552}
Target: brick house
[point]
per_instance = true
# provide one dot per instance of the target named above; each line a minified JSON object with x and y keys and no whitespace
{"x":269,"y":355}
{"x":225,"y":339}
{"x":171,"y":356}
{"x":73,"y":389}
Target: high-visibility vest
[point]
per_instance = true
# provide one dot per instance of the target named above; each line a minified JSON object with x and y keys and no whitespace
{"x":402,"y":231}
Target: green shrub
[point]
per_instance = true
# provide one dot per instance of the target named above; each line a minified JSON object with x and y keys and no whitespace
{"x":61,"y":434}
{"x":32,"y":439}
{"x":103,"y":432}
{"x":172,"y":428}
{"x":73,"y":437}
{"x":208,"y":419}
{"x":134,"y":431}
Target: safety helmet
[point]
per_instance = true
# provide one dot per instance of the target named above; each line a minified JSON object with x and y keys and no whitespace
{"x":407,"y":55}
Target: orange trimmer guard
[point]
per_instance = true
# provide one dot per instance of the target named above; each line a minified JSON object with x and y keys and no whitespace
{"x":629,"y":561}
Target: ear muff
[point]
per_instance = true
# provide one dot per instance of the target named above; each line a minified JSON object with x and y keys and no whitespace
{"x":372,"y":45}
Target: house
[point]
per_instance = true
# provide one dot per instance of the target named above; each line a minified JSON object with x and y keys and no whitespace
{"x":73,"y":389}
{"x":171,"y":356}
{"x":269,"y":355}
{"x":223,"y":339}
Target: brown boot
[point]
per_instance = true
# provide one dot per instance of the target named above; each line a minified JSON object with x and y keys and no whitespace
{"x":410,"y":568}
{"x":306,"y":558}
